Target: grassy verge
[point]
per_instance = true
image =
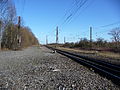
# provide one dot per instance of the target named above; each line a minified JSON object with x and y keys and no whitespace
{"x":105,"y":54}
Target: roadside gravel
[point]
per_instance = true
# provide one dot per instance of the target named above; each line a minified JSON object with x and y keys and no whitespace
{"x":37,"y":68}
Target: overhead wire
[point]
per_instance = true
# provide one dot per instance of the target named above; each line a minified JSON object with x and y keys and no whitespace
{"x":102,"y":29}
{"x":107,"y":25}
{"x":72,"y":11}
{"x":88,"y":5}
{"x":118,"y":22}
{"x":81,"y":4}
{"x":64,"y":16}
{"x":67,"y":13}
{"x":68,"y":16}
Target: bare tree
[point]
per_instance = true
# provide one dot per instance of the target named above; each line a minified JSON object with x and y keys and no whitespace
{"x":8,"y":19}
{"x":2,"y":5}
{"x":115,"y":33}
{"x":8,"y":12}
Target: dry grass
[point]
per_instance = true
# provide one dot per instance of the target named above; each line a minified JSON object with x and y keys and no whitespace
{"x":4,"y":49}
{"x":110,"y":55}
{"x":78,"y":50}
{"x":105,"y":54}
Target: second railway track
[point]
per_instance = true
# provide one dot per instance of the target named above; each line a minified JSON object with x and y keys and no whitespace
{"x":105,"y":69}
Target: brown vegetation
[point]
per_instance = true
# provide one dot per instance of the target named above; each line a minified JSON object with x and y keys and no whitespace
{"x":28,"y":38}
{"x":12,"y":35}
{"x":100,"y":44}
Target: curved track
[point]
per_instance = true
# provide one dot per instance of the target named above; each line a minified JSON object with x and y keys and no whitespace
{"x":105,"y":69}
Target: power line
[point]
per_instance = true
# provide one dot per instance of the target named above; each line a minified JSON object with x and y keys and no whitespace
{"x":79,"y":8}
{"x":67,"y":14}
{"x":108,"y":25}
{"x":74,"y":11}
{"x":72,"y":8}
{"x":111,"y":24}
{"x":71,"y":11}
{"x":81,"y":4}
{"x":89,"y":4}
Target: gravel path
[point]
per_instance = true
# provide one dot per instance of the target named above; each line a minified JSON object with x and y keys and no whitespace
{"x":37,"y":68}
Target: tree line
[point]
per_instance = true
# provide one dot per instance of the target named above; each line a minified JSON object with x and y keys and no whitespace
{"x":100,"y":44}
{"x":13,"y":35}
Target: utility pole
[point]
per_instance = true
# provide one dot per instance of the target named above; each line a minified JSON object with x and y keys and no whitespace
{"x":91,"y":37}
{"x":46,"y":39}
{"x":57,"y":35}
{"x":0,"y":33}
{"x":19,"y":22}
{"x":18,"y":35}
{"x":64,"y":40}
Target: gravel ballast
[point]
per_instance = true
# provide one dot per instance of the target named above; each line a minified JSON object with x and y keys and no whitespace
{"x":37,"y":68}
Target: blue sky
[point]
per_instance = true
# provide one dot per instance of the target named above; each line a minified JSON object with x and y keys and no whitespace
{"x":42,"y":16}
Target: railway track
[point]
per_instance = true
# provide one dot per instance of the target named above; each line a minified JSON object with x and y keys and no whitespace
{"x":105,"y":69}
